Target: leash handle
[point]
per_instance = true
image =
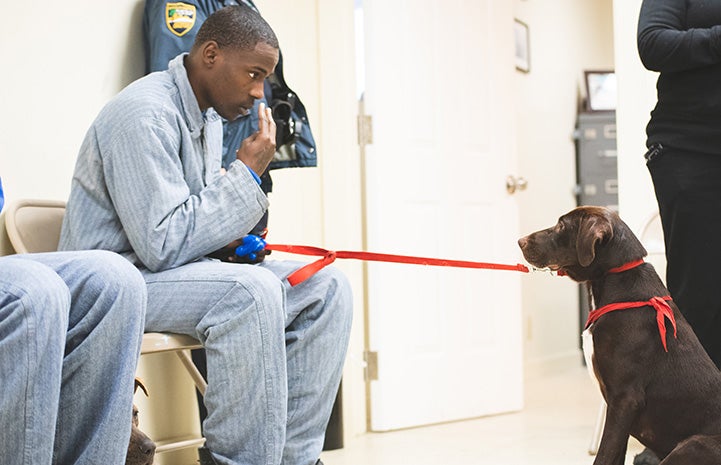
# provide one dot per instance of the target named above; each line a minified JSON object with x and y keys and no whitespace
{"x":249,"y":246}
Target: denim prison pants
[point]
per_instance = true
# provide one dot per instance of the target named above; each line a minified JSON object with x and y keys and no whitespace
{"x":688,"y":191}
{"x":70,"y":330}
{"x":274,"y":353}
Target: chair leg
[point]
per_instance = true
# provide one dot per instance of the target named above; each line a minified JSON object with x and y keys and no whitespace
{"x":198,"y":379}
{"x":598,"y":430}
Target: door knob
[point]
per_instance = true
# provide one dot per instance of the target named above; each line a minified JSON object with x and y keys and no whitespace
{"x":514,"y":184}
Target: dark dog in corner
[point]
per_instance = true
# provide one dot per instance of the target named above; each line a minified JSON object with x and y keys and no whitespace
{"x":659,"y":384}
{"x":141,"y":449}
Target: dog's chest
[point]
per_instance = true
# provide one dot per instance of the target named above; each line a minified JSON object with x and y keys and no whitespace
{"x":587,"y":343}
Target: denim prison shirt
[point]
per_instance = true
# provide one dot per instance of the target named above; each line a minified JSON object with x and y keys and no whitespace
{"x":147,"y":182}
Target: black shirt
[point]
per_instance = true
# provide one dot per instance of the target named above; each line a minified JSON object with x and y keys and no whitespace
{"x":681,"y":39}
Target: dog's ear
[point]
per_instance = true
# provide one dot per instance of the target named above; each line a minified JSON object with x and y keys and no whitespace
{"x":592,"y":230}
{"x":139,"y":384}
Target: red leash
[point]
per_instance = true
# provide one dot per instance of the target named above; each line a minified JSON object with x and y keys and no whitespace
{"x":329,"y":256}
{"x":663,"y":309}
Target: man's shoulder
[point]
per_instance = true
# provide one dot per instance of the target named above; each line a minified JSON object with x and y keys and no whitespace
{"x":154,"y":89}
{"x":154,"y":95}
{"x":150,"y":102}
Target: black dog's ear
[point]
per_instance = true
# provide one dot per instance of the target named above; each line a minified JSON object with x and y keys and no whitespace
{"x":139,"y":384}
{"x":592,"y":230}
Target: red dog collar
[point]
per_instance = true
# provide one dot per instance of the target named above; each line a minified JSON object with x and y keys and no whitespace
{"x":627,"y":266}
{"x":618,"y":269}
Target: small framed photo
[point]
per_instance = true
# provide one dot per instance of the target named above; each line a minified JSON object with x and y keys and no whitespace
{"x":601,"y":90}
{"x":523,"y":58}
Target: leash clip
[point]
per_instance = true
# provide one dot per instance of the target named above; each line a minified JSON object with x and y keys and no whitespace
{"x":544,"y":270}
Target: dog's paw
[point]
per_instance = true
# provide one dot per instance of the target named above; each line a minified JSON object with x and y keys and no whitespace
{"x":647,"y":457}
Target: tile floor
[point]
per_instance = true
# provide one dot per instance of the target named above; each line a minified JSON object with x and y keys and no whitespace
{"x":554,"y":428}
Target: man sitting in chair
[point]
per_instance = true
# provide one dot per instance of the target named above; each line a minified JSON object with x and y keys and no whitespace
{"x":71,"y":324}
{"x":148,"y":185}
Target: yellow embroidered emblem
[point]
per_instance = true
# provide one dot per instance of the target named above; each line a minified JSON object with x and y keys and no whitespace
{"x":179,"y":17}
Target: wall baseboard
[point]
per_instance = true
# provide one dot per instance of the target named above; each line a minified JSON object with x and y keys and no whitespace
{"x":540,"y":367}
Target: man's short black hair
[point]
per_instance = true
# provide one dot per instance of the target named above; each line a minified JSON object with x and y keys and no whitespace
{"x":238,"y":27}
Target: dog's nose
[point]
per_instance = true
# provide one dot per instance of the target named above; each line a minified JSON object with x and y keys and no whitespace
{"x":522,"y":242}
{"x":147,"y":447}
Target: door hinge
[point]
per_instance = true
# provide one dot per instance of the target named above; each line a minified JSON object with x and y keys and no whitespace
{"x":365,"y":130}
{"x":371,"y":368}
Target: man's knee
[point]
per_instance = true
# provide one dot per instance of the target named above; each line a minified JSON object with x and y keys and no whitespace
{"x":106,"y":287}
{"x":33,"y":282}
{"x":111,"y":269}
{"x":36,"y":291}
{"x":262,"y":286}
{"x":248,"y":305}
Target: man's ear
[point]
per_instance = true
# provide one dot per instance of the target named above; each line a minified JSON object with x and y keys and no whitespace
{"x":592,"y":230}
{"x":209,"y":51}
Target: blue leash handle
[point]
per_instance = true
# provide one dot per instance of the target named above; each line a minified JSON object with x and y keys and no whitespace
{"x":250,"y":246}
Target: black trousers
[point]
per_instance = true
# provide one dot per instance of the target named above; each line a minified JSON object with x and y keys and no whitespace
{"x":688,"y":191}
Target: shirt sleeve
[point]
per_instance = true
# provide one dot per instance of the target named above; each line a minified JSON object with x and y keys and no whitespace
{"x":665,"y":44}
{"x":166,"y":222}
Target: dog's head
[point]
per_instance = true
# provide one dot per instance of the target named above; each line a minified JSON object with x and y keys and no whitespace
{"x":141,"y":449}
{"x":585,"y":243}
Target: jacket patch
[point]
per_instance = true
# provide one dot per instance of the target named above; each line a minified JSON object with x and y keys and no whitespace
{"x":179,"y":17}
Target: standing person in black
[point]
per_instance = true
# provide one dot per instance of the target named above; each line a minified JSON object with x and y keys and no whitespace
{"x":681,"y":39}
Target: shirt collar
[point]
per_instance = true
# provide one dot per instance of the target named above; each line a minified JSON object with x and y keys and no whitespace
{"x":195,"y":118}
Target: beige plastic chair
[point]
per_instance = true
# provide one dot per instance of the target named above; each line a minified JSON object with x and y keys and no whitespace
{"x":32,"y":226}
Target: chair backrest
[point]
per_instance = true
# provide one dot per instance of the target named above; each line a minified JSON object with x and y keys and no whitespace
{"x":34,"y":225}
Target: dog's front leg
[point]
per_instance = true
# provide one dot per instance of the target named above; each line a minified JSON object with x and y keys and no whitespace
{"x":620,"y":415}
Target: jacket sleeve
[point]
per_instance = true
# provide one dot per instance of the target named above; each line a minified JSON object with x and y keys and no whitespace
{"x":665,"y":44}
{"x":166,"y":224}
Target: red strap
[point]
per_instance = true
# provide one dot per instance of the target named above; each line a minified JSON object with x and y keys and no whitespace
{"x":627,"y":266}
{"x":329,"y":257}
{"x":663,"y":310}
{"x":620,"y":269}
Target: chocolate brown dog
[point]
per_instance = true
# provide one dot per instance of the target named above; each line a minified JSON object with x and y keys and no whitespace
{"x":658,"y":382}
{"x":141,"y":449}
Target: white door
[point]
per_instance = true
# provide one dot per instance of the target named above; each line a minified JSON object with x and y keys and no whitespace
{"x":438,"y":85}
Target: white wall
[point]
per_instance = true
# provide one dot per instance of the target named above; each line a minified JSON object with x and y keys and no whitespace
{"x":60,"y":65}
{"x":636,"y":99}
{"x":566,"y":37}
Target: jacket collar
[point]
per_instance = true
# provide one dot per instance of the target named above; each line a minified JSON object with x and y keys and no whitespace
{"x":194,"y":118}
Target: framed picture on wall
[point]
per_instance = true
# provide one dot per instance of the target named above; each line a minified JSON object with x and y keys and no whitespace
{"x":601,"y":90}
{"x":523,"y":59}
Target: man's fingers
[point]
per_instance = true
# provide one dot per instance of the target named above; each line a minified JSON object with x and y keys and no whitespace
{"x":257,"y":150}
{"x":271,"y":123}
{"x":265,"y":118}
